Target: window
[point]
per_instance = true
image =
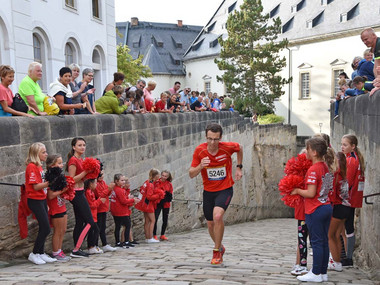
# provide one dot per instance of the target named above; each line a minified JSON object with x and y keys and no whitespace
{"x":71,"y":3}
{"x":232,"y":7}
{"x":288,"y":25}
{"x":69,"y":54}
{"x":352,"y":13}
{"x":96,"y":9}
{"x":207,"y":87}
{"x":335,"y":81}
{"x":37,"y":49}
{"x":274,"y":11}
{"x":305,"y":85}
{"x":316,"y":21}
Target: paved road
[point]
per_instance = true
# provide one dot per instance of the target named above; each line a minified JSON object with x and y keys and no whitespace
{"x":261,"y":252}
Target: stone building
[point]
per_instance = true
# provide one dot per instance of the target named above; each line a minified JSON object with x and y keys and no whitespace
{"x":56,"y":34}
{"x":162,"y":45}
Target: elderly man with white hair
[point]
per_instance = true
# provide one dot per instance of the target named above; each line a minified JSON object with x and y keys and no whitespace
{"x":371,"y":40}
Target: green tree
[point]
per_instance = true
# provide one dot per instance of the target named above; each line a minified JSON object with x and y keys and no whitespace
{"x":250,"y":58}
{"x":133,"y":69}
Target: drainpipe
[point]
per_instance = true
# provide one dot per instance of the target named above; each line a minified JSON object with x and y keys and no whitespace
{"x":290,"y":86}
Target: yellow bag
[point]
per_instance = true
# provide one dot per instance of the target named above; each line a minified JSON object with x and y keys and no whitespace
{"x":50,"y":107}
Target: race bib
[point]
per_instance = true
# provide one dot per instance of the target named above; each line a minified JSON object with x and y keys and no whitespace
{"x":218,"y":173}
{"x":361,"y":186}
{"x":140,"y":196}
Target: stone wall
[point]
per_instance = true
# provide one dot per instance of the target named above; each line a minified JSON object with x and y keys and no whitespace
{"x":132,"y":145}
{"x":361,"y":116}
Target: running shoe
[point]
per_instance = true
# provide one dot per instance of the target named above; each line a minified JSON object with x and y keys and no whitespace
{"x":347,"y":262}
{"x":217,"y":257}
{"x":155,"y":237}
{"x":80,"y":254}
{"x":107,"y":247}
{"x":134,"y":242}
{"x":35,"y":258}
{"x":163,"y":237}
{"x":310,"y":277}
{"x":222,"y":250}
{"x":95,"y":250}
{"x":47,"y":258}
{"x":337,"y":266}
{"x":298,"y":270}
{"x":152,"y":240}
{"x":62,"y":257}
{"x":325,"y":278}
{"x":129,"y":244}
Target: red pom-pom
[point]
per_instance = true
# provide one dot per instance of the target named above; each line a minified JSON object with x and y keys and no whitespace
{"x":289,"y":182}
{"x":69,"y":194}
{"x":92,"y":166}
{"x":292,"y":200}
{"x":298,"y":165}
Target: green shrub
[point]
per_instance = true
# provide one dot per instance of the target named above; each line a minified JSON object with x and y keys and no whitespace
{"x":270,"y":119}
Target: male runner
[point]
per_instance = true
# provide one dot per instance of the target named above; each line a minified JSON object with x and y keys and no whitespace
{"x":213,"y":161}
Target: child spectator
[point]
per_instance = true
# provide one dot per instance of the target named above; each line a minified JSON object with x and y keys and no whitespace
{"x":36,"y":189}
{"x":103,"y":191}
{"x":355,"y":179}
{"x":109,"y":102}
{"x":318,"y":210}
{"x":57,"y":212}
{"x":147,"y":204}
{"x":93,"y":233}
{"x":161,"y":105}
{"x":164,"y":183}
{"x":361,"y":85}
{"x":121,"y":202}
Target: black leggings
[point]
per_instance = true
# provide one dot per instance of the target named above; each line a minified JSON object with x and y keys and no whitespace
{"x":82,"y":214}
{"x":102,"y":218}
{"x":302,"y":242}
{"x":93,"y":235}
{"x":122,"y":221}
{"x":165,"y":215}
{"x":40,"y":211}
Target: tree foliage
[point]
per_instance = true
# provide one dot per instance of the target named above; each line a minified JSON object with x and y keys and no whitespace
{"x":250,"y":58}
{"x":133,"y":69}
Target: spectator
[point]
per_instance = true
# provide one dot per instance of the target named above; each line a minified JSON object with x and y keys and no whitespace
{"x":109,"y":103}
{"x":371,"y":40}
{"x":118,"y":79}
{"x":176,"y":87}
{"x":89,"y":90}
{"x":197,"y":105}
{"x":343,"y":87}
{"x":140,"y":86}
{"x":185,"y":98}
{"x":78,"y":95}
{"x":206,"y":103}
{"x":193,"y":97}
{"x":61,"y":91}
{"x":173,"y":102}
{"x":161,"y":106}
{"x":148,"y":97}
{"x":365,"y":67}
{"x":360,"y":87}
{"x":354,"y":65}
{"x":7,"y":75}
{"x":216,"y":104}
{"x":31,"y":92}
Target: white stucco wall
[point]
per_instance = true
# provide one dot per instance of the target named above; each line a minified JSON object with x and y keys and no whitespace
{"x":57,"y":24}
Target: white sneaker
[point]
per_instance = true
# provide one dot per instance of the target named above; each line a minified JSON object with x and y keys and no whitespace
{"x":99,"y":249}
{"x":95,"y":250}
{"x":47,"y":258}
{"x":35,"y":258}
{"x":310,"y":277}
{"x":337,"y":266}
{"x":152,"y":240}
{"x":107,"y":247}
{"x":298,"y":270}
{"x":324,"y":277}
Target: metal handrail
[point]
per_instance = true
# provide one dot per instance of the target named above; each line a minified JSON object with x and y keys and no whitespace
{"x":369,"y":195}
{"x":10,"y":184}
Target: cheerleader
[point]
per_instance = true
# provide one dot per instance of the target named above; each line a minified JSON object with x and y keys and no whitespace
{"x":36,"y":190}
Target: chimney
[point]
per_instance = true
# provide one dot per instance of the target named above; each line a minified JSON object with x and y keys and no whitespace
{"x":179,"y":24}
{"x":134,"y":21}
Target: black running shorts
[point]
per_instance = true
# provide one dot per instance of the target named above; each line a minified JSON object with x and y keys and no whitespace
{"x":216,"y":199}
{"x":341,"y":212}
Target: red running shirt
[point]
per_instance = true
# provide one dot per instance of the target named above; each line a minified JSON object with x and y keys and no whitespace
{"x":93,"y":203}
{"x":319,"y":175}
{"x":355,"y":180}
{"x":56,"y":205}
{"x":78,"y":162}
{"x":120,"y":202}
{"x":218,"y":175}
{"x":34,"y":175}
{"x":102,"y":191}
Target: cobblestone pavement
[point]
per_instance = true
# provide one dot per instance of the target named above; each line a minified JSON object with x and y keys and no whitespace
{"x":261,"y":252}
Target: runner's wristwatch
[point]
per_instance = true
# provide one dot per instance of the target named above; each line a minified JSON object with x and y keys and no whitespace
{"x":240,"y":166}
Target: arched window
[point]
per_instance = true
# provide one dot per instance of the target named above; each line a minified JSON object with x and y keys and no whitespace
{"x":69,"y":54}
{"x":37,"y":49}
{"x":38,"y":56}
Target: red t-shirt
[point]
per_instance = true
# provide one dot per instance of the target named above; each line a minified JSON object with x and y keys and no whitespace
{"x":56,"y":205}
{"x":148,"y":198}
{"x":120,"y":202}
{"x":34,"y":175}
{"x":102,"y":191}
{"x":160,"y":105}
{"x":93,"y":203}
{"x":319,"y":175}
{"x":218,"y":175}
{"x":340,"y":193}
{"x":6,"y":95}
{"x":148,"y":105}
{"x":168,"y":187}
{"x":299,"y":211}
{"x":78,"y":162}
{"x":355,"y":180}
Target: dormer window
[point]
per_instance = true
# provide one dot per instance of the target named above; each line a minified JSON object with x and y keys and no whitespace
{"x":274,"y":11}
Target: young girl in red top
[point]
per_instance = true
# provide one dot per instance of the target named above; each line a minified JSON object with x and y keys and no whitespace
{"x":93,"y":233}
{"x":103,"y":191}
{"x":121,"y":201}
{"x":165,"y":183}
{"x":57,"y":211}
{"x":355,"y":178}
{"x":146,"y":204}
{"x":83,"y":216}
{"x":318,"y":210}
{"x":36,"y":189}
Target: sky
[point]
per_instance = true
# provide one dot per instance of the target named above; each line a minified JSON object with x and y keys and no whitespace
{"x":191,"y":12}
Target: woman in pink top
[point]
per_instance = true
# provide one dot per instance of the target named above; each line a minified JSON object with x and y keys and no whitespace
{"x":7,"y":75}
{"x":149,"y":100}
